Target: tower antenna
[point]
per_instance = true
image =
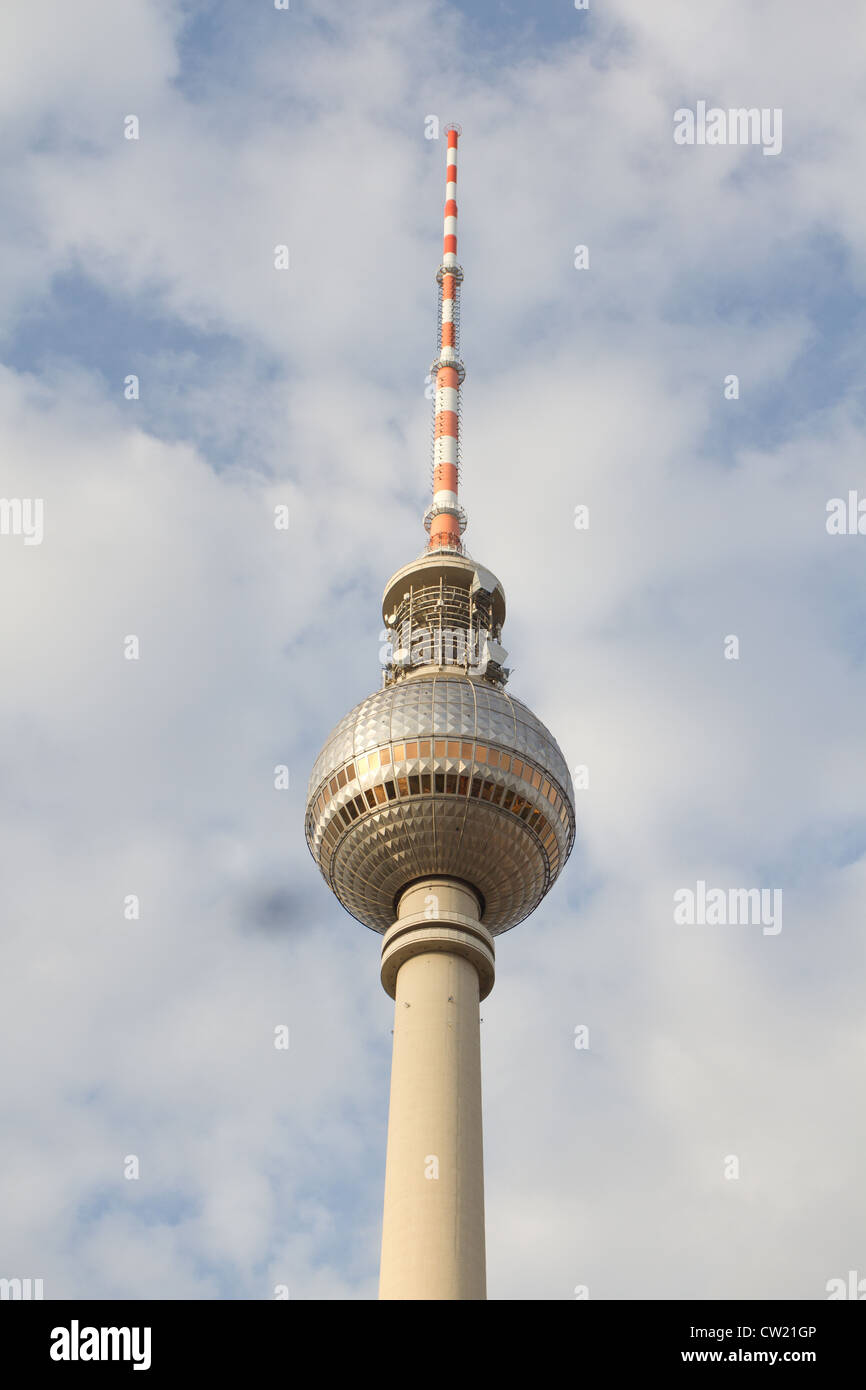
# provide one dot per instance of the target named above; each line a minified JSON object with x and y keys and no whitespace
{"x":445,"y":519}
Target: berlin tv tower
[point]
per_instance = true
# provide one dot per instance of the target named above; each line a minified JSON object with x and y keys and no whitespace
{"x":440,"y":812}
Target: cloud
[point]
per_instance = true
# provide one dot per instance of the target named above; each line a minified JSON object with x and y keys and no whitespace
{"x":155,"y":778}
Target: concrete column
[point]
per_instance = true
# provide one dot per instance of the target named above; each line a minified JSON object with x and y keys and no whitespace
{"x":437,"y":963}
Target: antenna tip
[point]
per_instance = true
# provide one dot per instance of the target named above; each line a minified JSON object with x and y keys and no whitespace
{"x":452,"y":125}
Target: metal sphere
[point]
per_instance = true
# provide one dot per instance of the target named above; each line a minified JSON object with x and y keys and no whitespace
{"x":440,"y":775}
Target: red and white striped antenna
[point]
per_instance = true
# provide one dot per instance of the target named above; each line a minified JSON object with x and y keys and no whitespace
{"x":445,"y":519}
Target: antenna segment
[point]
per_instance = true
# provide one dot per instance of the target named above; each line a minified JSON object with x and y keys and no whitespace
{"x":445,"y":519}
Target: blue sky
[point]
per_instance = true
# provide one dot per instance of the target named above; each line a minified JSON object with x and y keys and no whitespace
{"x":258,"y":388}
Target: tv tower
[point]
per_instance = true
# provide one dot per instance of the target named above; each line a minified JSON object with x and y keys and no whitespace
{"x":440,"y":812}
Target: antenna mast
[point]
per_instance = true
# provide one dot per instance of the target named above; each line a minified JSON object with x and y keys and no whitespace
{"x":445,"y":519}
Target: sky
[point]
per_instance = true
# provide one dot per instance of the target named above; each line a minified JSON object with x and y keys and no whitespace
{"x":708,"y":1142}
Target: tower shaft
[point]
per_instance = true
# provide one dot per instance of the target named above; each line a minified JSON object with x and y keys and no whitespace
{"x":437,"y":963}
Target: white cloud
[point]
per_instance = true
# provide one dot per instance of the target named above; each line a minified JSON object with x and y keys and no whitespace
{"x":155,"y":1037}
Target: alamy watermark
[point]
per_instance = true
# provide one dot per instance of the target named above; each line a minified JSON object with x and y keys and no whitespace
{"x":852,"y":1287}
{"x":22,"y":516}
{"x":77,"y":1343}
{"x":740,"y":125}
{"x":20,"y":1289}
{"x":846,"y":518}
{"x":737,"y":907}
{"x":424,"y":646}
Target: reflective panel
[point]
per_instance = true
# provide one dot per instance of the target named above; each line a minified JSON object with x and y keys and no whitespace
{"x":506,"y":831}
